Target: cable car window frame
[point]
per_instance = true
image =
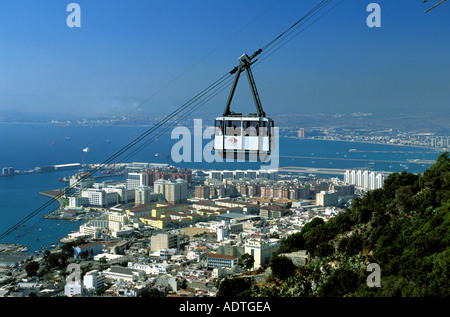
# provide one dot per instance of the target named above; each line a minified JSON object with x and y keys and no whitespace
{"x":218,"y":128}
{"x":230,"y":130}
{"x":263,"y":129}
{"x":251,"y":127}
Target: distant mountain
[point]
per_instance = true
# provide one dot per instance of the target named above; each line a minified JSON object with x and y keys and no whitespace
{"x":31,"y":117}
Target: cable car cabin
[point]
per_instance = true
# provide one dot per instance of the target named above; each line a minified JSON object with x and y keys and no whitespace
{"x":245,"y":138}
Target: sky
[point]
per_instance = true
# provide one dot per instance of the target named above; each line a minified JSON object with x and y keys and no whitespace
{"x":154,"y":55}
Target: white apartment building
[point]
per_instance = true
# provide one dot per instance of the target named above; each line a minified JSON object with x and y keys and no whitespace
{"x":93,"y":280}
{"x":102,"y":196}
{"x":124,"y":195}
{"x":365,"y":179}
{"x":114,"y":222}
{"x":261,"y":250}
{"x":73,"y":288}
{"x":134,"y":180}
{"x":95,"y":232}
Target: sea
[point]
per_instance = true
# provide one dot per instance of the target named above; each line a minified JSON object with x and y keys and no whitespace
{"x":25,"y":146}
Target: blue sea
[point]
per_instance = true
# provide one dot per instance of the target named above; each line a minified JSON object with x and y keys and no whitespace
{"x":26,"y":146}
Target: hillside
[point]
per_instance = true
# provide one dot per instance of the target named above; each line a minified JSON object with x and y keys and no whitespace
{"x":403,"y":227}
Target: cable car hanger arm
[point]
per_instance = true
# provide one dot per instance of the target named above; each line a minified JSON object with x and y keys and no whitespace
{"x":244,"y":64}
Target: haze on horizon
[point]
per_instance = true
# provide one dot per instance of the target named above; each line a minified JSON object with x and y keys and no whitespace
{"x":128,"y":51}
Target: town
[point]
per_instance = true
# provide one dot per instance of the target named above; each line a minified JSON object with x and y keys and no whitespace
{"x":173,"y":231}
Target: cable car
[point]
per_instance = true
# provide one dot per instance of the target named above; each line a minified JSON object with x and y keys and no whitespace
{"x":244,"y":137}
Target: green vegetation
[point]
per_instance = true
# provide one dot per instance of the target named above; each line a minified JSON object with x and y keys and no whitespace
{"x":403,"y":227}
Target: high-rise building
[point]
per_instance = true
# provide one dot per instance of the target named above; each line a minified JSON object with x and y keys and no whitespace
{"x":160,"y":186}
{"x":163,"y":241}
{"x":134,"y":180}
{"x":379,"y":181}
{"x":347,"y":176}
{"x":174,"y":192}
{"x":365,"y":179}
{"x":142,"y":195}
{"x":202,"y":192}
{"x":359,"y":178}
{"x":93,"y":280}
{"x":327,"y":198}
{"x":150,"y":178}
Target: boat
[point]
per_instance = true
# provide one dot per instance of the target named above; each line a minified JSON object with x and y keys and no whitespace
{"x":86,"y":150}
{"x":352,"y":150}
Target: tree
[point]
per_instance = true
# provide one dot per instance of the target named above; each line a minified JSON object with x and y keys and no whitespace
{"x":282,"y":267}
{"x":351,"y":245}
{"x":32,"y":268}
{"x":57,"y":260}
{"x":247,"y":261}
{"x":153,"y":292}
{"x":235,"y":287}
{"x":343,"y":281}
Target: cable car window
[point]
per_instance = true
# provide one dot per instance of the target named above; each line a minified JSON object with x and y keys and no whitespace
{"x":233,"y":128}
{"x":219,"y":127}
{"x":263,"y":128}
{"x":251,"y":128}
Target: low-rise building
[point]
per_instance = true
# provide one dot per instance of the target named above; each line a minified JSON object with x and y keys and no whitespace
{"x":89,"y":249}
{"x":120,"y":273}
{"x":220,"y":260}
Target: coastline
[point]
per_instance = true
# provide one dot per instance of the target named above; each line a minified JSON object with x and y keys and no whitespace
{"x":435,"y":149}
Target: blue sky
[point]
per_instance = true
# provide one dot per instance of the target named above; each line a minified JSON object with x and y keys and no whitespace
{"x":129,"y":50}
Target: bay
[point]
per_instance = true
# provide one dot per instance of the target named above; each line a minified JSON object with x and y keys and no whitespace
{"x":26,"y":146}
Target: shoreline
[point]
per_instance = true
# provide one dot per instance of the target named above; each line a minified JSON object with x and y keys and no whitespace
{"x":438,"y":150}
